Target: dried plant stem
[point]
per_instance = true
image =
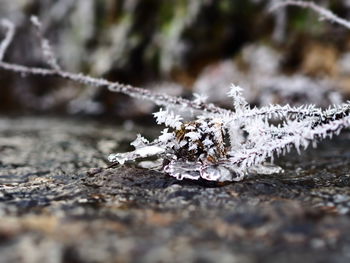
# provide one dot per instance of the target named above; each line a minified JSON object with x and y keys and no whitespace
{"x":56,"y":71}
{"x":327,"y":14}
{"x":160,"y":99}
{"x":45,"y":45}
{"x":135,"y":92}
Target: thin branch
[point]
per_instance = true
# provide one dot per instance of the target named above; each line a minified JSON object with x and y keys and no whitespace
{"x":327,"y":14}
{"x":135,"y":92}
{"x":10,"y":32}
{"x":301,"y":138}
{"x":45,"y":45}
{"x":158,"y":98}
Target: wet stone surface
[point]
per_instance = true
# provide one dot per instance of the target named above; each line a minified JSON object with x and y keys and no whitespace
{"x":59,"y":204}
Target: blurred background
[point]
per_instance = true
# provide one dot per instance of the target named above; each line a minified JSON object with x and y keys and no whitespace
{"x":176,"y":47}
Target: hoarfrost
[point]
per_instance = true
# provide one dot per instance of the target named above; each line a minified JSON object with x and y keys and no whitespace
{"x":217,"y":144}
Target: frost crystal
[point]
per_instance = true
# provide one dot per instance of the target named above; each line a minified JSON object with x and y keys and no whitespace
{"x":168,"y":118}
{"x":239,"y":101}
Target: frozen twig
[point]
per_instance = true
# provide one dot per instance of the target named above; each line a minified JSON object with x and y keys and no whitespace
{"x":135,"y":92}
{"x":45,"y":45}
{"x":10,"y":32}
{"x":325,"y":13}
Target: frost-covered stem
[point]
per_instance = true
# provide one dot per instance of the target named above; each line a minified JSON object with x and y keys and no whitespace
{"x":45,"y":45}
{"x":327,"y":14}
{"x":10,"y":32}
{"x":257,"y":156}
{"x":157,"y":98}
{"x":332,"y":114}
{"x":135,"y":92}
{"x":301,"y":138}
{"x":279,"y":112}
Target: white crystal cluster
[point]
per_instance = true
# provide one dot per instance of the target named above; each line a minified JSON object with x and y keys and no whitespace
{"x":226,"y":147}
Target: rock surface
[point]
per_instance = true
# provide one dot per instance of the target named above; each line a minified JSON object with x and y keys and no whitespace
{"x":59,"y":204}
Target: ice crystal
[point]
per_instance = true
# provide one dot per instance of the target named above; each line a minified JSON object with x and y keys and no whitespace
{"x":168,"y":118}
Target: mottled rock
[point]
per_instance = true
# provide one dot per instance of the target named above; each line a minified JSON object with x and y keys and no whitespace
{"x":58,"y":203}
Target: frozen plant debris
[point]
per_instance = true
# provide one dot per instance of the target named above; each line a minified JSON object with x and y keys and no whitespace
{"x":214,"y":144}
{"x":227,"y":147}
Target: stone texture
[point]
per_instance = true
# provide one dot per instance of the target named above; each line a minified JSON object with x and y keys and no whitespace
{"x":59,"y":204}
